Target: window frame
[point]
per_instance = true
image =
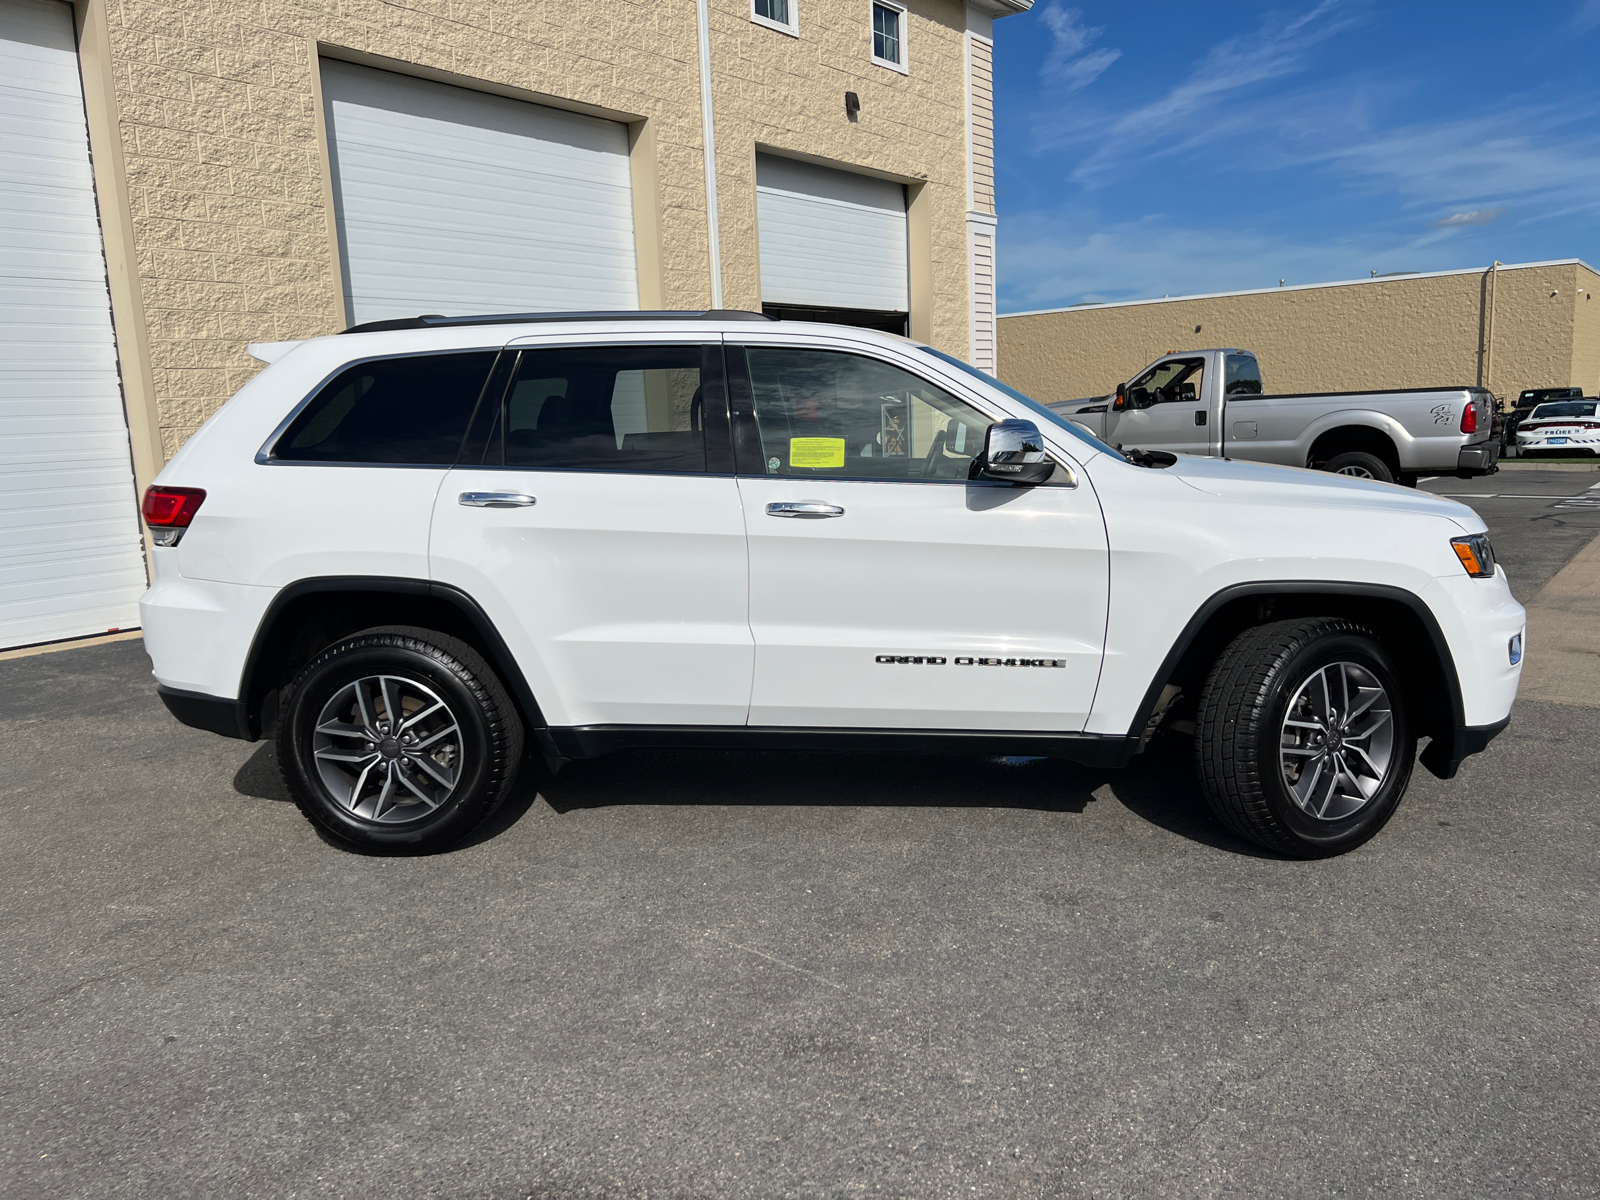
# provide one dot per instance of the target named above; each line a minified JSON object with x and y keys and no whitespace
{"x":484,"y":434}
{"x":904,"y":64}
{"x":750,"y":457}
{"x":792,"y":28}
{"x":266,"y":456}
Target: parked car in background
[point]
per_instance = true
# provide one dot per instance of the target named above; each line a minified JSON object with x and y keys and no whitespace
{"x":1529,"y":400}
{"x":1560,"y":428}
{"x":1213,"y":402}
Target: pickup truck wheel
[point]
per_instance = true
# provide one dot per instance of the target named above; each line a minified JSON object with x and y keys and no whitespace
{"x":398,"y":740}
{"x":1360,"y":464}
{"x":1302,"y":742}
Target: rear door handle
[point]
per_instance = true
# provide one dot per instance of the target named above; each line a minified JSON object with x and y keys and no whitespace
{"x":498,"y":500}
{"x":806,"y":510}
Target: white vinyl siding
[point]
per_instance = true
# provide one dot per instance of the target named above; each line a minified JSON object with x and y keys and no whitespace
{"x":458,"y":202}
{"x":983,"y":354}
{"x":980,"y":64}
{"x":830,"y":238}
{"x":71,"y":555}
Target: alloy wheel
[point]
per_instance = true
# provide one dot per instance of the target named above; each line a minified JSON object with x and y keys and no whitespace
{"x":388,"y":749}
{"x":1337,"y":742}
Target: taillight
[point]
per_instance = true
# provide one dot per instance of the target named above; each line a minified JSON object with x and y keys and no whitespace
{"x":168,"y":511}
{"x":1469,"y":418}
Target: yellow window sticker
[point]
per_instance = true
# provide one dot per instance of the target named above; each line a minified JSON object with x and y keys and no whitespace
{"x":816,"y":452}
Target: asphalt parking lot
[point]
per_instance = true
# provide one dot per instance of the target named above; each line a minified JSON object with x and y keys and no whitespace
{"x":774,"y":975}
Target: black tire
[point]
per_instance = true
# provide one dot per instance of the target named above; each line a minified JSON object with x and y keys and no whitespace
{"x":1240,"y":726}
{"x":1361,"y":465}
{"x":478,"y":760}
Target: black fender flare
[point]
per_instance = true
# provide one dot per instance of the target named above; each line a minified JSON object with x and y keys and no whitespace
{"x":499,"y":654}
{"x":1444,"y":752}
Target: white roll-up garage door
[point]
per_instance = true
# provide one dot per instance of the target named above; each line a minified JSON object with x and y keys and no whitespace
{"x":71,"y":558}
{"x":458,"y":202}
{"x":830,"y":239}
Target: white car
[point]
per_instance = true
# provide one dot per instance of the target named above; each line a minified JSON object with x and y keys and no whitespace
{"x":1560,"y":427}
{"x":410,"y":550}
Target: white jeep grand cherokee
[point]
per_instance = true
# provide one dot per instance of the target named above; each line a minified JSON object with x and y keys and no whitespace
{"x":411,"y":549}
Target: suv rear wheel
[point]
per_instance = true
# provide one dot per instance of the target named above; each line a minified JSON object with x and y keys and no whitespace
{"x":399,"y":740}
{"x":1302,"y":739}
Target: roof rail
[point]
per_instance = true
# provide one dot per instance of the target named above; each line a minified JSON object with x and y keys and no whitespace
{"x":437,"y":321}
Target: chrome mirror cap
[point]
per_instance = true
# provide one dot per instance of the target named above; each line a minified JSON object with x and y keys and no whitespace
{"x":1013,"y":452}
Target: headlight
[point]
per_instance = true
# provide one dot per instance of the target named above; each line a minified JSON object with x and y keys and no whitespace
{"x":1475,"y":553}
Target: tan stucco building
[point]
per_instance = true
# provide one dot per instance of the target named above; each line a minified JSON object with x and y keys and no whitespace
{"x":1509,"y":327}
{"x":281,"y":169}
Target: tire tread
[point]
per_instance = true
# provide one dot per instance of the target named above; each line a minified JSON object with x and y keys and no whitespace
{"x":499,"y":711}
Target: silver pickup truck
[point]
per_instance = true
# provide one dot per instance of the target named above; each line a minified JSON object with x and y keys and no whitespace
{"x":1212,"y":402}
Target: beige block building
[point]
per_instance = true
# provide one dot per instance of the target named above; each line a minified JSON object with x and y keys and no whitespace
{"x":1508,"y":328}
{"x":238,"y":171}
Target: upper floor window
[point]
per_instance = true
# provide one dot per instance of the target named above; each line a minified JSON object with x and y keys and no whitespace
{"x":775,"y":14}
{"x":889,"y":34}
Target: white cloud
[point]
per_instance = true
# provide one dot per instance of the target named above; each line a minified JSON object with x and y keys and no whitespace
{"x":1047,"y":259}
{"x":1070,"y":63}
{"x":1480,"y":160}
{"x":1478,"y":216}
{"x":1186,"y":114}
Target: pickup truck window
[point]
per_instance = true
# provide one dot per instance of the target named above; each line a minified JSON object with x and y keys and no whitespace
{"x":1173,"y":381}
{"x":1242,"y":376}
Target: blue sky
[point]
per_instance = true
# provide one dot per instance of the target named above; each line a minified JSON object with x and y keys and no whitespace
{"x":1164,"y":147}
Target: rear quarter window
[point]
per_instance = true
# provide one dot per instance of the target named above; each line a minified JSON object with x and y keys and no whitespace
{"x":411,"y":410}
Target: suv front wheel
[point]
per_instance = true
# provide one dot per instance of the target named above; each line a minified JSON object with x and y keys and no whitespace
{"x":1302,"y":739}
{"x":398,"y":740}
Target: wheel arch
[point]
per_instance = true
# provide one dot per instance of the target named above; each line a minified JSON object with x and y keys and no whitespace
{"x":311,"y":614}
{"x":1400,"y":618}
{"x":1371,"y":437}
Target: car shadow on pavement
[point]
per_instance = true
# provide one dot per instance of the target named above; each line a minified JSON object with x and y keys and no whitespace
{"x":259,"y":777}
{"x":1158,"y":787}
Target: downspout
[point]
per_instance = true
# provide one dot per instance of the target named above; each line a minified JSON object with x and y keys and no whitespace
{"x":709,"y":138}
{"x":1486,"y":329}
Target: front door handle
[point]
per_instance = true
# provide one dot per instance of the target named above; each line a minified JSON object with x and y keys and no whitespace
{"x":806,"y":510}
{"x":498,"y":500}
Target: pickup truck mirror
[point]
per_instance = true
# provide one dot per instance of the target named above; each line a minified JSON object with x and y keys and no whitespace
{"x":1013,"y":452}
{"x":1121,"y":401}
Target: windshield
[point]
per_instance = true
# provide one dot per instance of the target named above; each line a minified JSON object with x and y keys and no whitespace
{"x":1054,"y":419}
{"x":1565,"y":408}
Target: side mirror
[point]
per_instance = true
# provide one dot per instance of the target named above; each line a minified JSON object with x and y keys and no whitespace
{"x":1013,"y":452}
{"x":1121,"y":402}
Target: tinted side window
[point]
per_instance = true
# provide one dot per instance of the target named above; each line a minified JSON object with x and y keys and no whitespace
{"x":605,"y":408}
{"x":1243,"y":376}
{"x":411,"y":410}
{"x":824,"y":413}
